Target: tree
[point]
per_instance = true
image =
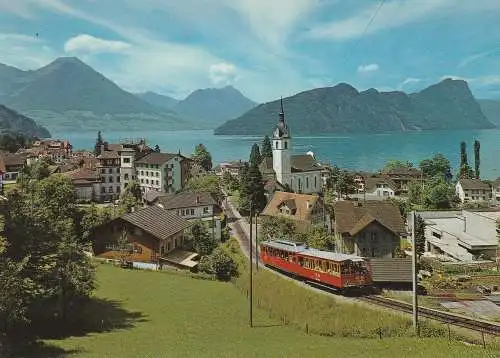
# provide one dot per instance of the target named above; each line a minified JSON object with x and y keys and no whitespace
{"x":44,"y":232}
{"x":279,"y":227}
{"x":202,"y":157}
{"x":438,"y":165}
{"x":319,"y":239}
{"x":219,"y":263}
{"x":229,"y":181}
{"x":465,"y":171}
{"x":419,"y":235}
{"x":203,"y":242}
{"x":395,"y":164}
{"x":255,"y":157}
{"x":267,"y":149}
{"x":98,"y":143}
{"x":477,"y":147}
{"x":341,"y":181}
{"x":252,"y":190}
{"x":415,"y":193}
{"x":438,"y":194}
{"x":157,"y":148}
{"x":207,"y":183}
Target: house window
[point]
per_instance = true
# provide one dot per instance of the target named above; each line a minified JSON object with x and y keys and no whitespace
{"x":126,"y":160}
{"x":142,"y":172}
{"x":157,"y":174}
{"x":103,"y":171}
{"x":183,"y":212}
{"x":157,"y":182}
{"x":110,"y":179}
{"x":110,"y":171}
{"x":307,"y":182}
{"x":126,"y":176}
{"x":276,"y":144}
{"x":142,"y":181}
{"x":192,"y":211}
{"x":205,"y":210}
{"x":147,"y":174}
{"x":110,"y":189}
{"x":117,"y":179}
{"x":118,"y":189}
{"x":147,"y":181}
{"x":103,"y":190}
{"x":374,"y":236}
{"x":315,"y":182}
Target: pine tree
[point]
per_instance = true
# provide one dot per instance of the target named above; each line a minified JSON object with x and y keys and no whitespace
{"x":267,"y":149}
{"x":98,"y":143}
{"x":465,"y":171}
{"x":255,"y":157}
{"x":477,"y":147}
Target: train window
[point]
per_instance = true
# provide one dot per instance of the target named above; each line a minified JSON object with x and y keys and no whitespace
{"x":301,"y":261}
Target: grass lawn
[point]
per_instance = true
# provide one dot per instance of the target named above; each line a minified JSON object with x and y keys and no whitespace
{"x":155,"y":314}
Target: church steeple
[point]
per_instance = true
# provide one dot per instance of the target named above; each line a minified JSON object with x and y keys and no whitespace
{"x":282,"y":112}
{"x":282,"y":130}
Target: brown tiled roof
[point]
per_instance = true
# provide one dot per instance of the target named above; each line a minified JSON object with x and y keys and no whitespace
{"x":152,"y":195}
{"x":83,"y":175}
{"x":13,"y":159}
{"x":115,"y":147}
{"x":156,"y":158}
{"x":372,"y":181}
{"x":304,"y":163}
{"x":352,"y":217}
{"x":186,"y":200}
{"x":160,"y":223}
{"x":300,"y":201}
{"x":473,"y":184}
{"x":403,"y":171}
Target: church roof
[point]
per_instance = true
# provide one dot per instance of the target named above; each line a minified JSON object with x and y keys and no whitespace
{"x":304,"y":163}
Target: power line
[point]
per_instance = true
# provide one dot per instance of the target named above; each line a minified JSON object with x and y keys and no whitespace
{"x":356,"y":44}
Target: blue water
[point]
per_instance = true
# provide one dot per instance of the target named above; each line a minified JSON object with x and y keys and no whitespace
{"x":350,"y":151}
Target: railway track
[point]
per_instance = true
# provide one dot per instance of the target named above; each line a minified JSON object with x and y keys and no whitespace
{"x":460,"y":321}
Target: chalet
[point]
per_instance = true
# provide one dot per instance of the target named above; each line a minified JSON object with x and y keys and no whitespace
{"x":402,"y":177}
{"x":147,"y":235}
{"x":193,"y":206}
{"x":369,"y":229}
{"x":473,"y":191}
{"x":305,"y":210}
{"x":11,"y":165}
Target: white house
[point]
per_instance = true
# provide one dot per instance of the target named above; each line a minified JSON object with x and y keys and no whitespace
{"x":302,"y":173}
{"x":473,"y":191}
{"x":465,"y":236}
{"x":375,"y":187}
{"x":161,"y":172}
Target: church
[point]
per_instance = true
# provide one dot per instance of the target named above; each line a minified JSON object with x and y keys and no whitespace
{"x":301,"y":173}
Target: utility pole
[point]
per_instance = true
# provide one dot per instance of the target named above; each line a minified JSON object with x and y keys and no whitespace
{"x":251,"y":269}
{"x":256,"y":244}
{"x":414,"y":275}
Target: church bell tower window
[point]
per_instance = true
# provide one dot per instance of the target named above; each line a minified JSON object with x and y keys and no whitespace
{"x":286,"y":145}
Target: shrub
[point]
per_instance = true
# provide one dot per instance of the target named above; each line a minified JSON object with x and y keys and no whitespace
{"x":219,"y":263}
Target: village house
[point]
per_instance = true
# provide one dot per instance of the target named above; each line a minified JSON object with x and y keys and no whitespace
{"x":109,"y":170}
{"x":374,"y":187}
{"x":473,"y":191}
{"x":146,"y":236}
{"x":87,"y":183}
{"x":368,"y":229}
{"x":495,"y":191}
{"x":402,"y":177}
{"x":10,"y":166}
{"x":301,"y":173}
{"x":305,"y":210}
{"x":194,"y":206}
{"x":56,"y":150}
{"x":460,"y":235}
{"x":163,"y":172}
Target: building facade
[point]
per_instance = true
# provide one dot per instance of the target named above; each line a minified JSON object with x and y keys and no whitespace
{"x":473,"y":191}
{"x":163,"y":172}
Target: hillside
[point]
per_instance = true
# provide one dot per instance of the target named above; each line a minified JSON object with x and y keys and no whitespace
{"x":158,"y":100}
{"x":491,"y":109}
{"x":11,"y":121}
{"x":213,"y":105}
{"x":69,"y":90}
{"x":343,"y":109}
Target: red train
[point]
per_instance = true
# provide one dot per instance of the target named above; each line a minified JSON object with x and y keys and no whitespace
{"x":339,"y":271}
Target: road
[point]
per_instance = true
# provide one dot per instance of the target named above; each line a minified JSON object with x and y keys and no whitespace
{"x":239,"y":226}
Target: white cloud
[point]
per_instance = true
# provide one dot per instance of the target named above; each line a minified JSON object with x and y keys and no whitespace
{"x":16,"y":7}
{"x":394,"y":14}
{"x":223,"y":73}
{"x":89,"y":44}
{"x":454,"y":77}
{"x":372,"y":67}
{"x":410,"y":80}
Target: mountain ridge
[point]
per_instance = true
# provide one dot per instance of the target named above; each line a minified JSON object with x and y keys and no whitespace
{"x":448,"y":104}
{"x":13,"y":122}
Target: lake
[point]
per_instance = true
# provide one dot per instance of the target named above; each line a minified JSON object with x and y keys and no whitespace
{"x":350,"y":151}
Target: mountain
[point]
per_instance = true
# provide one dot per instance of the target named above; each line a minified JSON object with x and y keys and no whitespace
{"x":343,"y":109}
{"x":158,"y":100}
{"x":214,"y":105}
{"x":13,"y":122}
{"x":68,"y":94}
{"x":491,"y":109}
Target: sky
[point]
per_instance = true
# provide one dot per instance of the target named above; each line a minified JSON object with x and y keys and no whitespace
{"x":265,"y":48}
